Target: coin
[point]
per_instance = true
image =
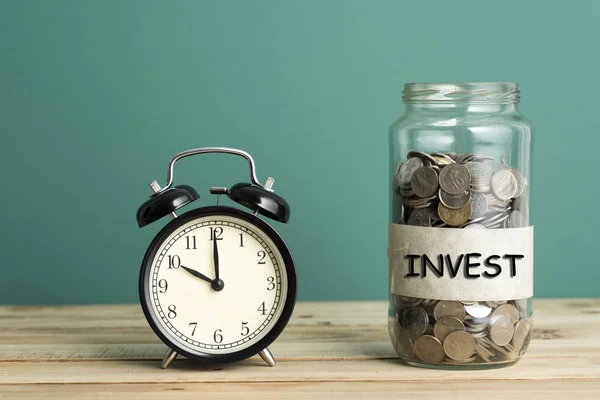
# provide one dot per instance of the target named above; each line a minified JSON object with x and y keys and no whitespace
{"x":521,"y":184}
{"x":454,"y":201}
{"x":522,"y":329}
{"x":407,"y":169}
{"x":508,"y":310}
{"x":501,"y":330}
{"x":415,"y":321}
{"x":521,"y":304}
{"x":446,"y":325}
{"x":400,"y":340}
{"x":433,"y":212}
{"x":459,"y":345}
{"x":478,"y":310}
{"x":455,"y":179}
{"x":426,"y":158}
{"x":454,"y":217}
{"x":424,"y":182}
{"x":480,"y":172}
{"x":419,"y":217}
{"x":496,"y":196}
{"x":429,"y":349}
{"x":443,"y":158}
{"x":449,"y":309}
{"x":504,"y":184}
{"x":479,"y":205}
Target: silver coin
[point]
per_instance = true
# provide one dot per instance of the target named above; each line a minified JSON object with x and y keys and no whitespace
{"x":415,"y":321}
{"x":504,"y":184}
{"x":480,"y":172}
{"x":419,"y":217}
{"x":507,"y":310}
{"x":433,"y":212}
{"x":521,"y":184}
{"x":501,"y":330}
{"x":401,"y":217}
{"x":479,"y":205}
{"x":474,"y":226}
{"x":449,"y":309}
{"x":516,"y":219}
{"x":521,"y":304}
{"x":429,"y":349}
{"x":406,"y":171}
{"x":478,"y":310}
{"x":522,"y":332}
{"x":454,"y":201}
{"x":455,"y":179}
{"x":446,"y":325}
{"x":424,"y":182}
{"x":426,"y":158}
{"x":459,"y":345}
{"x":400,"y":340}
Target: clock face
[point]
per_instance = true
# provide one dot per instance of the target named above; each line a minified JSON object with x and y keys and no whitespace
{"x":216,"y":284}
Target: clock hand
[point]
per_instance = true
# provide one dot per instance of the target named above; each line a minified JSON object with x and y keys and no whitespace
{"x":216,"y":259}
{"x":217,"y":284}
{"x":197,"y":274}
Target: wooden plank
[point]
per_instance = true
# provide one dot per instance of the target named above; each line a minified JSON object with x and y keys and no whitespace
{"x":522,"y":390}
{"x":255,"y":370}
{"x":330,"y":330}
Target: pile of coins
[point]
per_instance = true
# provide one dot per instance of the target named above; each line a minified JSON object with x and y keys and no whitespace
{"x":441,"y":332}
{"x":459,"y":191}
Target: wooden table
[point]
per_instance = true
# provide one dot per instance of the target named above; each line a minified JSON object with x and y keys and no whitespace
{"x":329,"y":350}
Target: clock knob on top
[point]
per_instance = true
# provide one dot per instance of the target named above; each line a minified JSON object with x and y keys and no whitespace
{"x":164,"y":203}
{"x":261,"y":199}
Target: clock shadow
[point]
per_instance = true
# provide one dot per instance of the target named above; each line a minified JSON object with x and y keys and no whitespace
{"x":187,"y":365}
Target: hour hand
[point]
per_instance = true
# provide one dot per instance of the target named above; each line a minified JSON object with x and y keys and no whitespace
{"x":197,"y":274}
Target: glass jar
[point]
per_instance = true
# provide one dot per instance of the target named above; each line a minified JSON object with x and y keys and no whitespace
{"x":460,"y":242}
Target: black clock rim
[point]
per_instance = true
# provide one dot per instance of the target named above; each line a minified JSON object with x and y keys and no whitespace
{"x":289,"y":269}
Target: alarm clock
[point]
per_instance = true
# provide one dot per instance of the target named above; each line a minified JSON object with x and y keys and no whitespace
{"x":218,"y":283}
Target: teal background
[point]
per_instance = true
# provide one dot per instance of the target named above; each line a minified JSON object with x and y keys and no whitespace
{"x":96,"y":96}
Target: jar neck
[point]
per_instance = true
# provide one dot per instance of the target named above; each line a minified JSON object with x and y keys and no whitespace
{"x":461,"y":97}
{"x":461,"y":108}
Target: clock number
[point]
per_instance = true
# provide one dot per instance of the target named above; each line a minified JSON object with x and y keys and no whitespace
{"x":241,"y":240}
{"x":245,"y":329}
{"x":262,"y":308}
{"x":191,"y":242}
{"x":215,"y":233}
{"x":262,"y":256}
{"x":174,"y":262}
{"x":271,"y":284}
{"x":217,"y":336}
{"x":195,"y":324}
{"x":172,"y":313}
{"x":163,"y":285}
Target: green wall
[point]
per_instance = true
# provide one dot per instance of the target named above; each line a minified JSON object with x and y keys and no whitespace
{"x":96,"y":96}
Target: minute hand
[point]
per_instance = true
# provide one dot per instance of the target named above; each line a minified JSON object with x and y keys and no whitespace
{"x":216,"y":259}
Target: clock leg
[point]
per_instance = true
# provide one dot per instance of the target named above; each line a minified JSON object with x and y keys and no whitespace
{"x":170,"y":355}
{"x":267,"y":357}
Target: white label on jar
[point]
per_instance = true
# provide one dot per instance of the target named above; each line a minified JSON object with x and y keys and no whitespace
{"x":461,"y":264}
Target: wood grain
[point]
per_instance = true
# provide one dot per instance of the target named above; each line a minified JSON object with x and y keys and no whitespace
{"x":332,"y":350}
{"x":460,"y":390}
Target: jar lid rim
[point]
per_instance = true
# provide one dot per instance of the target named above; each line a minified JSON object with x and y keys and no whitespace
{"x":472,"y":92}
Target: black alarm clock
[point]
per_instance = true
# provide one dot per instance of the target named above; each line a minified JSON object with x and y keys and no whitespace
{"x":218,"y":283}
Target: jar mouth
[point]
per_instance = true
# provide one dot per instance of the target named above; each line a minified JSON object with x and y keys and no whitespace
{"x":467,"y":92}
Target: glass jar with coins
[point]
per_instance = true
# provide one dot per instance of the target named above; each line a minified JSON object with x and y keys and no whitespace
{"x":460,"y":244}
